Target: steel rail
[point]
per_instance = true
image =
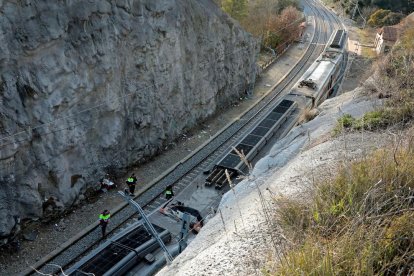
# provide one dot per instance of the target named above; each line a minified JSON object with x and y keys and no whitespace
{"x":87,"y":238}
{"x":89,"y":232}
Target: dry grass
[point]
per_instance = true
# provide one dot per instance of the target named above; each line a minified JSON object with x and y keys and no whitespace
{"x":359,"y":223}
{"x":308,"y":115}
{"x":394,"y":83}
{"x":367,"y":37}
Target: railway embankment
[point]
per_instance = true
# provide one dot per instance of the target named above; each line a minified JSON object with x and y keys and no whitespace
{"x":239,"y":238}
{"x":333,"y":196}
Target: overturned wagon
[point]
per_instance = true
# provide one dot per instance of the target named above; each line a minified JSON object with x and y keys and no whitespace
{"x":237,"y":159}
{"x":320,"y":81}
{"x":120,"y":253}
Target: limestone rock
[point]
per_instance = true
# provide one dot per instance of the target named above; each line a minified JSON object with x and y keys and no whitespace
{"x":91,"y":85}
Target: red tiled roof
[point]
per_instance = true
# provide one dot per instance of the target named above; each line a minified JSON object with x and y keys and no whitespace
{"x":389,"y":33}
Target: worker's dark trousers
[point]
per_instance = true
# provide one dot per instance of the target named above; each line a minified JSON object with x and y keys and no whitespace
{"x":103,"y":227}
{"x":131,"y":188}
{"x":169,"y":196}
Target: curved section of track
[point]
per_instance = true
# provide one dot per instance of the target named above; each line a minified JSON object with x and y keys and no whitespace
{"x":184,"y":172}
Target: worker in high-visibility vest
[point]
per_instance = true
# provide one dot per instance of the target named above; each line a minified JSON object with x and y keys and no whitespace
{"x":169,"y":192}
{"x":104,"y":220}
{"x":131,"y":182}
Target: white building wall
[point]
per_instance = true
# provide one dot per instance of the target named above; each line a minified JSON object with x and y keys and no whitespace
{"x":379,"y":44}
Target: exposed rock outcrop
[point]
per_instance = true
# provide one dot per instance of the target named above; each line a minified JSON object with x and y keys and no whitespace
{"x":87,"y":85}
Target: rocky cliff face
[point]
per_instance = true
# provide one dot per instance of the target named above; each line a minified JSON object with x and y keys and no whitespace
{"x":87,"y":85}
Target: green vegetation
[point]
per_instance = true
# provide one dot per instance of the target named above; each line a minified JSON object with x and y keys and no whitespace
{"x":403,"y":6}
{"x":395,"y":85}
{"x":377,"y":13}
{"x":235,"y":8}
{"x":377,"y":119}
{"x":384,"y":18}
{"x":359,"y":223}
{"x":370,"y":121}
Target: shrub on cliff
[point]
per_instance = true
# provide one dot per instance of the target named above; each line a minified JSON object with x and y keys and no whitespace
{"x":235,"y":8}
{"x":384,"y":18}
{"x":403,"y":6}
{"x":361,"y":221}
{"x":394,"y":83}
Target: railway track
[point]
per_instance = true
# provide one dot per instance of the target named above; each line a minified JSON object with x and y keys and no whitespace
{"x":185,"y":172}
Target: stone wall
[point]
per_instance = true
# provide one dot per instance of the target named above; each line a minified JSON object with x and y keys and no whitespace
{"x":87,"y":85}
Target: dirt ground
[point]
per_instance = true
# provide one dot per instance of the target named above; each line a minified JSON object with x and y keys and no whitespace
{"x":52,"y":234}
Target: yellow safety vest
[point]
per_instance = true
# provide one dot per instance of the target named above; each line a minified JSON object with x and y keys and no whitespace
{"x":104,"y":217}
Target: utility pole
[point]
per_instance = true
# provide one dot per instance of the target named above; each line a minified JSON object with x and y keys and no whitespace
{"x":355,"y":9}
{"x":148,"y":225}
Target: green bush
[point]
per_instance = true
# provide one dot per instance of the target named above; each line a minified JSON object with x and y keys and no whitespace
{"x":384,"y":18}
{"x":294,"y":217}
{"x":344,"y":123}
{"x":272,"y":40}
{"x":372,"y":120}
{"x":404,"y":6}
{"x":376,"y":19}
{"x":235,"y":8}
{"x":312,"y":258}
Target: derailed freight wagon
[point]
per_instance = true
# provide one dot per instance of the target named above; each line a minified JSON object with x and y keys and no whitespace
{"x":319,"y":82}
